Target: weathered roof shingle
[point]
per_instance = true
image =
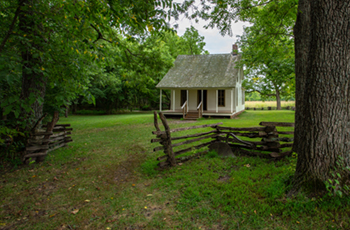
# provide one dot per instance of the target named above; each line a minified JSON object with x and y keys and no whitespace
{"x":202,"y":71}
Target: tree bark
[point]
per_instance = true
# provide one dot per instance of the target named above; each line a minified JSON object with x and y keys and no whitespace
{"x":33,"y":80}
{"x":278,"y":99}
{"x":322,"y":52}
{"x":66,"y":111}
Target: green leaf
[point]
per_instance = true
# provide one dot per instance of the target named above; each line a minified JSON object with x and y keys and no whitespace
{"x":16,"y":112}
{"x":7,"y":109}
{"x":340,"y":193}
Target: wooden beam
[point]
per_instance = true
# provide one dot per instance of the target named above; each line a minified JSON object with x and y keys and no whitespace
{"x":194,"y":140}
{"x":167,"y":142}
{"x":59,"y":134}
{"x":65,"y":125}
{"x":202,"y":100}
{"x":282,"y":124}
{"x":155,"y":121}
{"x":56,"y":147}
{"x":160,"y":101}
{"x":57,"y":129}
{"x":232,"y":141}
{"x":42,"y":133}
{"x":185,"y":142}
{"x":242,"y":129}
{"x":188,"y":128}
{"x":174,"y":99}
{"x":239,"y":140}
{"x":292,"y":132}
{"x":158,"y":148}
{"x":250,"y":135}
{"x":216,"y":101}
{"x":232,"y":100}
{"x":274,"y":139}
{"x":56,"y":138}
{"x":185,"y":137}
{"x":187,"y":101}
{"x":37,"y":147}
{"x":187,"y":150}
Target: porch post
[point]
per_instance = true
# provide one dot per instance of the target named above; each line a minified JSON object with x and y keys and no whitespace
{"x":173,"y":91}
{"x":160,"y":101}
{"x":216,"y":101}
{"x":202,"y":100}
{"x":187,"y":99}
{"x":232,"y":100}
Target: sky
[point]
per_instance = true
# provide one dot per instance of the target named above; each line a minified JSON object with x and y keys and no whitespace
{"x":215,"y":43}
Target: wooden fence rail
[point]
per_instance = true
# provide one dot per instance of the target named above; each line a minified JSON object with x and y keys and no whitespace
{"x":39,"y":144}
{"x":269,"y":143}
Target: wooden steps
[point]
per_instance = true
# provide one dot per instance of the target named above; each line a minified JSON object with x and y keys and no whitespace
{"x":192,"y":116}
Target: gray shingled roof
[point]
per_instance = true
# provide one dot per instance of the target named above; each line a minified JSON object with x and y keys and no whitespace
{"x":202,"y":71}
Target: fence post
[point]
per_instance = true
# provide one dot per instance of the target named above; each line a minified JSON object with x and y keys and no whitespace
{"x":271,"y":132}
{"x":168,"y":149}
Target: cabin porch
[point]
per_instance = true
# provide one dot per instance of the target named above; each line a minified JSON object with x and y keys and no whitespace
{"x":192,"y":114}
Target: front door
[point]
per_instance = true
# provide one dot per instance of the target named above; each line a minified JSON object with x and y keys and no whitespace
{"x":199,"y":97}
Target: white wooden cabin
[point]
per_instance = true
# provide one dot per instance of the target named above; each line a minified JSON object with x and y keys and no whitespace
{"x":204,"y":85}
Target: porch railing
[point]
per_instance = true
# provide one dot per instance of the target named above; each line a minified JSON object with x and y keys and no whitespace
{"x":199,"y":108}
{"x":184,"y":109}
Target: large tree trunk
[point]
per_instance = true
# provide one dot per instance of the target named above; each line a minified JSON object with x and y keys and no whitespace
{"x":322,"y":52}
{"x":33,"y":80}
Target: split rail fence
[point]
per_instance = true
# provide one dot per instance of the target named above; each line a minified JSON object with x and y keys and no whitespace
{"x":41,"y":143}
{"x":269,"y":146}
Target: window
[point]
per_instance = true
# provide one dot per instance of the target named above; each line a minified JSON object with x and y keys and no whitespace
{"x":221,"y":97}
{"x":183,"y":97}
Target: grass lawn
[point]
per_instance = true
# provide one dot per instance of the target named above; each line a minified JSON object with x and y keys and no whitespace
{"x":107,"y":179}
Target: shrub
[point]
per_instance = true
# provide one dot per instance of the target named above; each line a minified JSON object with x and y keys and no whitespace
{"x":90,"y":112}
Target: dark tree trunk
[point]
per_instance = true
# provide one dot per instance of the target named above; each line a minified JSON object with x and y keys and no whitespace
{"x":67,"y":111}
{"x":278,"y":99}
{"x":322,"y":49}
{"x":33,"y":80}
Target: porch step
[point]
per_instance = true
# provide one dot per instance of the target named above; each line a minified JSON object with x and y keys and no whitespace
{"x":192,"y":116}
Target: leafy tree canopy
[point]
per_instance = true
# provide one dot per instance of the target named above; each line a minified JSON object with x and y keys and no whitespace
{"x":57,"y":46}
{"x":267,"y":46}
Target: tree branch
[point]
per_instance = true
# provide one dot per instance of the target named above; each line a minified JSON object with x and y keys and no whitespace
{"x":100,"y":36}
{"x":264,"y":94}
{"x":18,"y":10}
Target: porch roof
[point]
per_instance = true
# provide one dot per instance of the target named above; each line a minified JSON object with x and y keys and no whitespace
{"x":202,"y":71}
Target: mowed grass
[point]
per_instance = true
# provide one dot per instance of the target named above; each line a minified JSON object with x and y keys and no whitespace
{"x":107,"y":179}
